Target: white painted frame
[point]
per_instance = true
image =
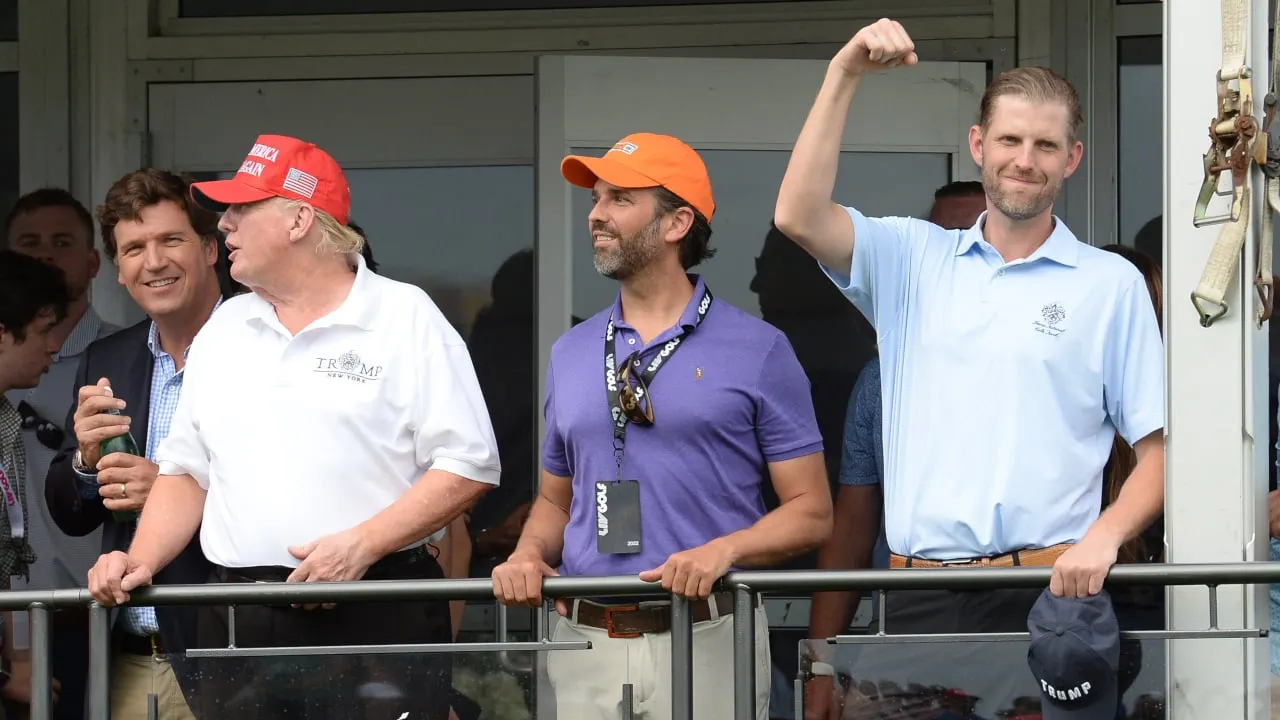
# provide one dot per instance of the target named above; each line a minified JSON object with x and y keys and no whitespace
{"x":1216,"y":477}
{"x":161,"y":34}
{"x":927,"y":108}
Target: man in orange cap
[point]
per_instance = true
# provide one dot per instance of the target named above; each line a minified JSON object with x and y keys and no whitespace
{"x":664,"y":479}
{"x":318,"y":437}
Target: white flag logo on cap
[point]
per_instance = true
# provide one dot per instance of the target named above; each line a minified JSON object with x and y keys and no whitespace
{"x":300,"y":182}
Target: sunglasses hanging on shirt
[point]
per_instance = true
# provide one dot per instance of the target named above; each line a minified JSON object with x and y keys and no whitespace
{"x":49,"y":434}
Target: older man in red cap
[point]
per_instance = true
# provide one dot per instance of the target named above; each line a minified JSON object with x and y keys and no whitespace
{"x":319,"y":437}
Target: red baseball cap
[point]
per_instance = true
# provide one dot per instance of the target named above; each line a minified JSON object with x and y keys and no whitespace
{"x":285,"y":167}
{"x":645,"y":160}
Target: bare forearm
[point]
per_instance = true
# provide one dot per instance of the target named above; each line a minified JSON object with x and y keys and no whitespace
{"x":432,"y":503}
{"x":169,"y":520}
{"x":798,"y":525}
{"x":543,"y":534}
{"x":804,"y":208}
{"x":1140,"y":502}
{"x":850,"y":547}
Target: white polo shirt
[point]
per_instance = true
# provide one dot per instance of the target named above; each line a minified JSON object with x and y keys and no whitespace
{"x":1002,"y":383}
{"x":298,"y":437}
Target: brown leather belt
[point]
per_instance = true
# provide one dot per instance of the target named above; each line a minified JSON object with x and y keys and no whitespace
{"x":1035,"y":557}
{"x":632,"y":621}
{"x":151,"y":645}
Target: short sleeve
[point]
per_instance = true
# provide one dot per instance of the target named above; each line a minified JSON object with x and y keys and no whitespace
{"x":877,"y":278}
{"x":786,"y":425}
{"x":859,"y":464}
{"x":453,"y":431}
{"x":183,"y":450}
{"x":1133,"y":375}
{"x":555,"y":456}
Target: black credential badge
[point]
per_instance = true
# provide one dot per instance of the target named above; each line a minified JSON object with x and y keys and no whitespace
{"x":618,"y":517}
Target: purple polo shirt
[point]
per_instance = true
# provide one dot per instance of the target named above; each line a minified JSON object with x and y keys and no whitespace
{"x":732,"y":398}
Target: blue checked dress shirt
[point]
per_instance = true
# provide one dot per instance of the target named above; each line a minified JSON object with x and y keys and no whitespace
{"x":166,"y":386}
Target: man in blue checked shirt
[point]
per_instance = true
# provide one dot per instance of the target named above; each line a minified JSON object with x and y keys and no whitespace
{"x":165,"y":248}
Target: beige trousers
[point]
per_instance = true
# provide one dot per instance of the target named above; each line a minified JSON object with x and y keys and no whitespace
{"x":588,"y":683}
{"x":134,"y":677}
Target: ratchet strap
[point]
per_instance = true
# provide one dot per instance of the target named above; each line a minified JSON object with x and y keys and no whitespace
{"x":1234,"y":145}
{"x":1264,"y":282}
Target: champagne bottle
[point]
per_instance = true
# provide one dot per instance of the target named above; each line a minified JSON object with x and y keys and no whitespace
{"x":124,"y":444}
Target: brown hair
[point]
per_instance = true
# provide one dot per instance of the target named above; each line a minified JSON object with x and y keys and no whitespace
{"x":142,"y":189}
{"x":695,"y":246}
{"x":1036,"y":84}
{"x":1123,"y":459}
{"x":49,"y":197}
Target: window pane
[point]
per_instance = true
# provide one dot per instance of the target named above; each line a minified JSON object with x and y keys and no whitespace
{"x":9,"y":143}
{"x":1140,"y":97}
{"x":251,"y":8}
{"x":8,"y":20}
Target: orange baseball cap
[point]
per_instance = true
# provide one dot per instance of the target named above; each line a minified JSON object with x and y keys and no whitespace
{"x":281,"y":166}
{"x":645,"y":160}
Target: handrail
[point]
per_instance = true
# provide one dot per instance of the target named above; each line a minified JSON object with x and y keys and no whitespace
{"x":763,"y":581}
{"x":746,"y":586}
{"x":979,"y":578}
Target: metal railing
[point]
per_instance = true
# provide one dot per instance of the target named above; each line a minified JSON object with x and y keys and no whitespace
{"x":746,"y":587}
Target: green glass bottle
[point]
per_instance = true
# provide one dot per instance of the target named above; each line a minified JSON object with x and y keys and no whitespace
{"x":122,"y":444}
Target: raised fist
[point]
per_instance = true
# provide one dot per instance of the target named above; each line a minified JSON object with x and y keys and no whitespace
{"x":879,"y":46}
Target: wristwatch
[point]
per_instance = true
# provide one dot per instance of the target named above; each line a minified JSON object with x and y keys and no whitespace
{"x":77,"y":464}
{"x":818,"y":668}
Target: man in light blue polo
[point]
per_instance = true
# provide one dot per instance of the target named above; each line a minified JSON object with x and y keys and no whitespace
{"x":1010,"y":352}
{"x":666,"y":413}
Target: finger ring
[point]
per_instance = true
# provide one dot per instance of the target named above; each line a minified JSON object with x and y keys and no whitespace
{"x":124,"y":491}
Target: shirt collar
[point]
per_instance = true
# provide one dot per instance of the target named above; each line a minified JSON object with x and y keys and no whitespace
{"x":688,"y":318}
{"x":153,"y":335}
{"x":10,"y":419}
{"x":360,"y":308}
{"x":1061,"y":246}
{"x":85,"y":332}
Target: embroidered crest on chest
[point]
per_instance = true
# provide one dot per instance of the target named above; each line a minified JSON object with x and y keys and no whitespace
{"x":1052,"y":320}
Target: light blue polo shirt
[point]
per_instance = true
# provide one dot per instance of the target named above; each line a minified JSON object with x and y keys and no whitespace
{"x":1003,"y":383}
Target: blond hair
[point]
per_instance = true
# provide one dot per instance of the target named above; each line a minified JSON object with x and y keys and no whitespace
{"x":1035,"y":84}
{"x":335,"y":238}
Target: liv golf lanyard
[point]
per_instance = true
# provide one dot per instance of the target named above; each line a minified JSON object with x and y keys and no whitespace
{"x":12,"y":505}
{"x":611,"y":371}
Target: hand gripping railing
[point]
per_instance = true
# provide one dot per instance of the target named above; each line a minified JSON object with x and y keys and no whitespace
{"x":746,"y":586}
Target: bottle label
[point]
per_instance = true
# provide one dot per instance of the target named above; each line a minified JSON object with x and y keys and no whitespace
{"x":12,"y":505}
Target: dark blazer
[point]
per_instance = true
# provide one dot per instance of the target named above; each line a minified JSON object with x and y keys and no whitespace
{"x":125,"y":359}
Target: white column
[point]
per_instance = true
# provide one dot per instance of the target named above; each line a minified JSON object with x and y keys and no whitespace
{"x":1216,"y":476}
{"x":116,"y":147}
